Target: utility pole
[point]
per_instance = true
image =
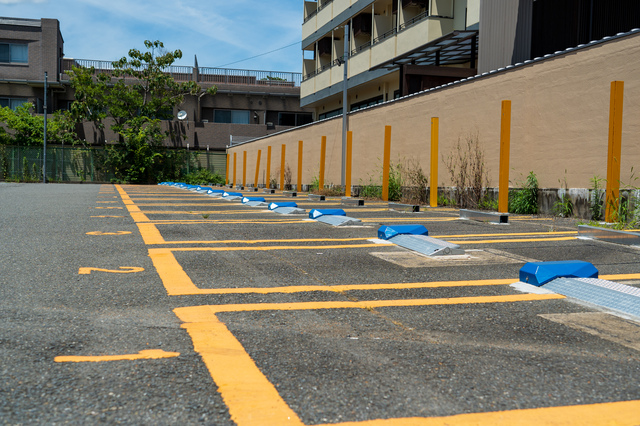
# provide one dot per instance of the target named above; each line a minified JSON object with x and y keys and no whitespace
{"x":344,"y":105}
{"x":44,"y":155}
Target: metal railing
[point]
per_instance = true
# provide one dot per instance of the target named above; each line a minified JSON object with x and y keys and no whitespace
{"x":202,"y":74}
{"x":410,"y":22}
{"x":262,"y":78}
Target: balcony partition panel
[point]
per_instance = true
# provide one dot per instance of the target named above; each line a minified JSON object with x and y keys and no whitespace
{"x":360,"y":63}
{"x":323,"y":80}
{"x":383,"y":51}
{"x":325,"y":15}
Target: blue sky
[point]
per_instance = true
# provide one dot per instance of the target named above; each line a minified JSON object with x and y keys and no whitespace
{"x":219,"y":32}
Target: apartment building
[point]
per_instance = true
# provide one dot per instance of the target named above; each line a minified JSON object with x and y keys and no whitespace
{"x":249,"y":104}
{"x":400,"y":47}
{"x":394,"y":48}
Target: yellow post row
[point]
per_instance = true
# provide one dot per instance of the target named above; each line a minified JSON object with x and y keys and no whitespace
{"x":255,"y":181}
{"x":226,"y":178}
{"x":614,"y":151}
{"x":386,"y":163}
{"x":323,"y":153}
{"x":282,"y":159}
{"x":505,"y":142}
{"x":244,"y":168}
{"x":433,"y":194}
{"x":268,"y":178}
{"x":234,"y":169}
{"x":299,"y":186}
{"x":347,"y":179}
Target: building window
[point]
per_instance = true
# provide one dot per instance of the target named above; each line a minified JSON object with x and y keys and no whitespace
{"x":330,"y":114}
{"x":369,"y":102}
{"x":14,"y":53}
{"x":294,"y":119}
{"x":12,"y":103}
{"x":231,"y":116}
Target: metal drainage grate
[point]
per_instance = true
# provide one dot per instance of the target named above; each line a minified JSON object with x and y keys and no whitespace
{"x":337,"y":220}
{"x":603,"y":293}
{"x":255,"y":204}
{"x":289,"y":210}
{"x":426,"y":245}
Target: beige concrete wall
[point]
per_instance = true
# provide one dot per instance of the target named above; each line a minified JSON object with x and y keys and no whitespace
{"x":560,"y":119}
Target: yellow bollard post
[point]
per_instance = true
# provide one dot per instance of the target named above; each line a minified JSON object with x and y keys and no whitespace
{"x":386,"y":163}
{"x":255,"y":181}
{"x":226,"y":178}
{"x":433,"y":194}
{"x":282,"y":158}
{"x":234,"y":169}
{"x":268,"y":182}
{"x":347,"y":179}
{"x":323,"y":153}
{"x":299,"y":183}
{"x":244,"y":169}
{"x":614,"y":151}
{"x":505,"y":145}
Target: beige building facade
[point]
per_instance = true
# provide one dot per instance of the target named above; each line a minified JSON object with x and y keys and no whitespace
{"x":559,"y":127}
{"x":379,"y":32}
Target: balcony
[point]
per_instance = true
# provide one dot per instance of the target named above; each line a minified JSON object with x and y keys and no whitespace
{"x":201,"y":74}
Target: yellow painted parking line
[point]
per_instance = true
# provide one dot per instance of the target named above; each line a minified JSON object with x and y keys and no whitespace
{"x":372,"y":304}
{"x":619,"y":277}
{"x":609,"y":413}
{"x":509,"y":240}
{"x":100,"y":233}
{"x":177,"y":282}
{"x":223,"y":212}
{"x":509,"y":234}
{"x":421,"y":219}
{"x":270,"y":248}
{"x":146,"y":354}
{"x":249,"y":395}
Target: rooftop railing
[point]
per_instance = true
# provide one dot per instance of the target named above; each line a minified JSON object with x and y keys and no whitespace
{"x":202,"y":74}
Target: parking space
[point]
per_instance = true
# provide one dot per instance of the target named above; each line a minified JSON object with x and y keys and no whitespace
{"x":160,"y":303}
{"x":300,"y":322}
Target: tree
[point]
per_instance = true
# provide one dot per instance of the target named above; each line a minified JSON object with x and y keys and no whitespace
{"x":27,"y":129}
{"x":136,"y":95}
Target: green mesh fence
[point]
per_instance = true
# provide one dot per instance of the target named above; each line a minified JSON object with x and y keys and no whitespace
{"x":71,"y":164}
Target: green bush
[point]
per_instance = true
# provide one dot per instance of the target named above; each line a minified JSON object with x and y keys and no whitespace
{"x":525,"y":199}
{"x":203,"y":177}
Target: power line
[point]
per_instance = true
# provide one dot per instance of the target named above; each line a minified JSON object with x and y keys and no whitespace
{"x":257,"y":56}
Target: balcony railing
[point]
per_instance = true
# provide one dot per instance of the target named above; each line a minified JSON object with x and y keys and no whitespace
{"x":202,"y":74}
{"x":375,"y":41}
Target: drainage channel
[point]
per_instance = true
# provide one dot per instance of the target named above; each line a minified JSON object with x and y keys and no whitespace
{"x":607,"y":294}
{"x":579,"y":280}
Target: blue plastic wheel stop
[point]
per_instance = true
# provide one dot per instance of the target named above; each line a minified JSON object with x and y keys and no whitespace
{"x":540,"y":273}
{"x":232,"y":194}
{"x":386,"y":232}
{"x":215,"y":191}
{"x":273,"y":206}
{"x":249,"y":199}
{"x":316,"y":213}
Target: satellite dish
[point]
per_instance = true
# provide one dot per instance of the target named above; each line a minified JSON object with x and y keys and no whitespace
{"x":182,"y":115}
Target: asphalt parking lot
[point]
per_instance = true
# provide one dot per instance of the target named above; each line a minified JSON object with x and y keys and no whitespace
{"x":154,"y":304}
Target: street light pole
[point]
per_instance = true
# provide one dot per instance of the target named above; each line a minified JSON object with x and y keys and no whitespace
{"x":44,"y":155}
{"x":344,"y":105}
